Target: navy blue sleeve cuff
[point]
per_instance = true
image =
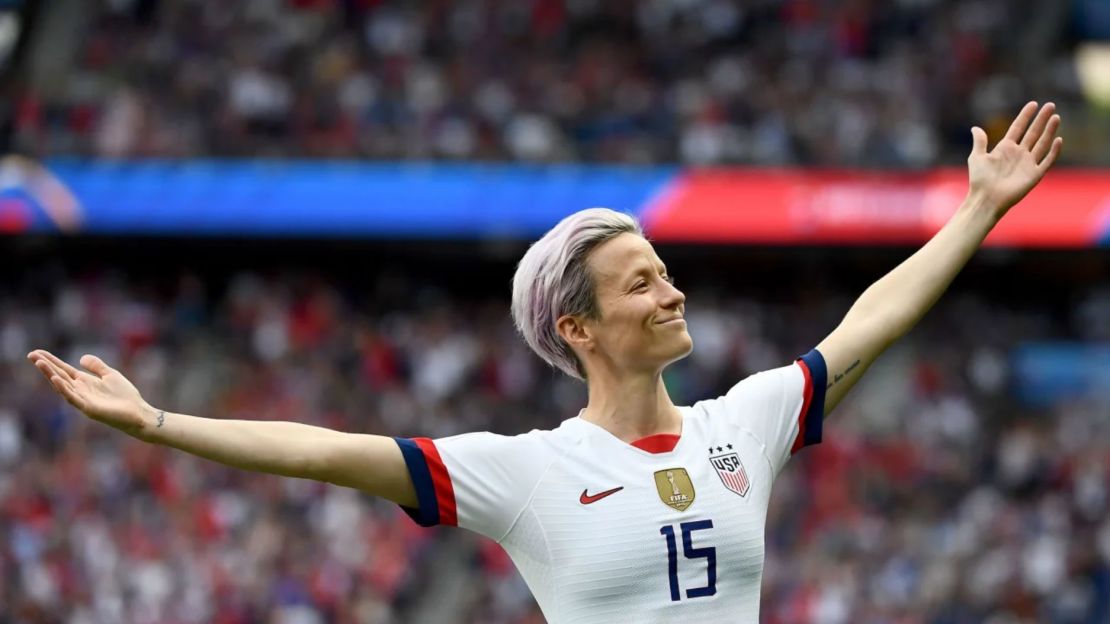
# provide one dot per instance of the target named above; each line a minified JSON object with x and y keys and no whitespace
{"x":815,"y":410}
{"x":428,"y":513}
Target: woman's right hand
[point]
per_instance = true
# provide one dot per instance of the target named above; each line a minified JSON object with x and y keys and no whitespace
{"x":102,"y":393}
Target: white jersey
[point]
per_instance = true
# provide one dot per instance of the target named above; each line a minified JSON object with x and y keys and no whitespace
{"x":668,"y":529}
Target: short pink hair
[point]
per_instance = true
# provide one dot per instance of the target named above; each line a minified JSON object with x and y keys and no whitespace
{"x":552,"y":280}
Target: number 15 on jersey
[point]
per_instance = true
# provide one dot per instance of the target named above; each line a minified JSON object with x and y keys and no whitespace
{"x":708,"y":553}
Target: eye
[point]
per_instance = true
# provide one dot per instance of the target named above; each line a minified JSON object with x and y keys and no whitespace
{"x":669,"y":279}
{"x":640,"y":286}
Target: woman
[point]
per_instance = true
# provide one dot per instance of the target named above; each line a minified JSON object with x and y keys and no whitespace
{"x":635,"y":510}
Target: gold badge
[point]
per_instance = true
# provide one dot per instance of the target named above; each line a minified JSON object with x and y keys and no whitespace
{"x":675,"y":488}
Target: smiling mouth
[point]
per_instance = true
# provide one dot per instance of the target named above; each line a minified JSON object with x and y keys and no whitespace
{"x":674,"y":320}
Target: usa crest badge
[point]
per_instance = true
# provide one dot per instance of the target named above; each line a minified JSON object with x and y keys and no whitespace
{"x":675,"y":488}
{"x":731,"y":472}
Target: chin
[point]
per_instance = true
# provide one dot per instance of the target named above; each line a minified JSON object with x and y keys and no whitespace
{"x":688,"y":350}
{"x":682,"y":348}
{"x":664,"y":353}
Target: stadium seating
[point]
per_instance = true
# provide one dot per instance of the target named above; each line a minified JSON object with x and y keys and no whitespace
{"x":779,"y":82}
{"x":937,"y":496}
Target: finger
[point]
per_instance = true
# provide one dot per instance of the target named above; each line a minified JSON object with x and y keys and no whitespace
{"x":59,"y":362}
{"x":1039,"y":123}
{"x":1057,"y":146}
{"x":49,"y":369}
{"x":1021,"y":122}
{"x":978,"y":141}
{"x":66,"y":388}
{"x":62,"y":384}
{"x":1047,"y":139}
{"x":95,"y":365}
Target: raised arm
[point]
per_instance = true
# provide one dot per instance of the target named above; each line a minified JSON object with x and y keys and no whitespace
{"x":369,"y":463}
{"x":894,"y":304}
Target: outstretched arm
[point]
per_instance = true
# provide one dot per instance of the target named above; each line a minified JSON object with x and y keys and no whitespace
{"x":891,"y":306}
{"x":371,"y":463}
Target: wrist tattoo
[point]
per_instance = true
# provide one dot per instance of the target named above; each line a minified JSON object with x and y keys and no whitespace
{"x":161,"y":418}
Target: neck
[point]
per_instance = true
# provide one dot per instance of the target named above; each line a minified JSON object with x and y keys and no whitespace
{"x":631,"y":407}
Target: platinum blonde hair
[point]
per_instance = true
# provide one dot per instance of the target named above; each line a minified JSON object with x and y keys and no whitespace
{"x":553,"y":280}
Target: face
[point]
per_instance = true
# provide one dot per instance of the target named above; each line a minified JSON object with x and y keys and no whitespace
{"x":640,"y":326}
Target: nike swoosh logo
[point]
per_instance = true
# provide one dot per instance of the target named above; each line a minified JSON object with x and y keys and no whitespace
{"x":586,"y":499}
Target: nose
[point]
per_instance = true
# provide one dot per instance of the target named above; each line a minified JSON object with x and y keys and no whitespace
{"x":672,"y":297}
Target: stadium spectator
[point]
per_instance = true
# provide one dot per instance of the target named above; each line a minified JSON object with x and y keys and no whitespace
{"x":765,"y":82}
{"x":940,"y":498}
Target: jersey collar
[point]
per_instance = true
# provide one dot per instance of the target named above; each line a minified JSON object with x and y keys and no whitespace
{"x":656,"y":444}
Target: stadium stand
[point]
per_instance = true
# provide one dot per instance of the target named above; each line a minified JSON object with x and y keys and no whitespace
{"x":938,"y":495}
{"x":764,"y":82}
{"x":951,"y":487}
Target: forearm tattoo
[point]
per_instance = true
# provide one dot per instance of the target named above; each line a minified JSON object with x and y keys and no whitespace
{"x":161,"y":418}
{"x":837,"y":377}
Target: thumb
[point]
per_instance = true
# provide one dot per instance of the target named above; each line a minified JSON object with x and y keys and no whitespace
{"x":96,"y":365}
{"x":978,"y":141}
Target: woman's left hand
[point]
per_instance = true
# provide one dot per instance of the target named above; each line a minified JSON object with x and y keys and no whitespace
{"x":1004,"y":175}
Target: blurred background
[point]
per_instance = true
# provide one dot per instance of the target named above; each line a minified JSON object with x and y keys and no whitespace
{"x":311,"y":210}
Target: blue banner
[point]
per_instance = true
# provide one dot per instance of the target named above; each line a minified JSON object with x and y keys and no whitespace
{"x":1044,"y":373}
{"x":311,"y":198}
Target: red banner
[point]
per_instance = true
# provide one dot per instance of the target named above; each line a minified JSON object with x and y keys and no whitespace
{"x":1070,"y":208}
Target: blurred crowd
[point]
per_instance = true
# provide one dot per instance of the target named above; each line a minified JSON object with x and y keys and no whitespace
{"x":764,"y":82}
{"x":935,"y":497}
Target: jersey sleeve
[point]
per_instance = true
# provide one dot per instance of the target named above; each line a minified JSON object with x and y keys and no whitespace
{"x":784,"y":407}
{"x":477,"y":481}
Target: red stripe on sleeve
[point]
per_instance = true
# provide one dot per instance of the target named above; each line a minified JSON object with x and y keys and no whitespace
{"x":441,"y":481}
{"x":807,"y":393}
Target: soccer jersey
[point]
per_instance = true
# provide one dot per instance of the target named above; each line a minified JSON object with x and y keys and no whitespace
{"x":668,"y":529}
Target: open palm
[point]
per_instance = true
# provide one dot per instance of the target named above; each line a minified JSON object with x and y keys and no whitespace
{"x":102,"y":393}
{"x":1006,"y":174}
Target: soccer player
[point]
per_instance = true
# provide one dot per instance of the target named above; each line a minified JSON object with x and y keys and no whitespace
{"x":635,"y":510}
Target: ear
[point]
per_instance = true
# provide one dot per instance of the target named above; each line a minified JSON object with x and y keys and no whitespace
{"x":573,"y":329}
